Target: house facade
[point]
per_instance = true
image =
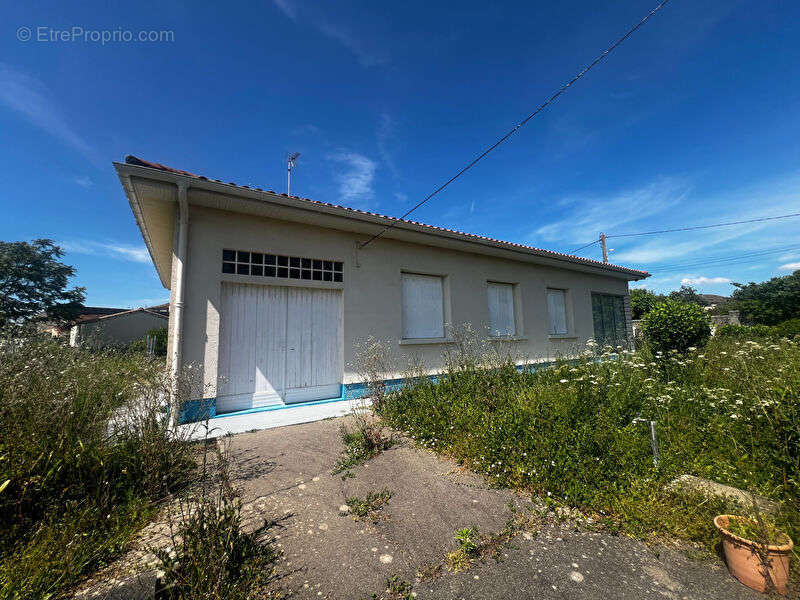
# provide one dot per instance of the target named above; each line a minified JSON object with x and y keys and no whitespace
{"x":270,"y":294}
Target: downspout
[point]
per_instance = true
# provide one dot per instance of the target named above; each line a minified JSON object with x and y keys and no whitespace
{"x":177,"y":308}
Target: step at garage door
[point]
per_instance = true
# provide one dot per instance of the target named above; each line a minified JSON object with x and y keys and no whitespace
{"x":278,"y":345}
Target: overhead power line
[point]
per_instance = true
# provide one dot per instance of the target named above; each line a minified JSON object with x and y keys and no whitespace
{"x":584,"y":246}
{"x":688,"y":228}
{"x":511,"y":132}
{"x":693,"y":227}
{"x":727,"y":259}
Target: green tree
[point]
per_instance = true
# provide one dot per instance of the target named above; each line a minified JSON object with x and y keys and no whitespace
{"x":643,"y":301}
{"x":33,"y":283}
{"x":688,"y":294}
{"x":769,"y":302}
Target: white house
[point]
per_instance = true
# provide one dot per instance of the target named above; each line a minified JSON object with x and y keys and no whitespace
{"x":270,"y":293}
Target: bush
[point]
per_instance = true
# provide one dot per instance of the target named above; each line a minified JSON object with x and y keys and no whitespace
{"x":744,"y":332}
{"x":675,"y":325}
{"x":786,"y":329}
{"x":160,"y":348}
{"x":85,"y":449}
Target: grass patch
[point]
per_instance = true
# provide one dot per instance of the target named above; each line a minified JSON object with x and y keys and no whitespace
{"x":362,"y":508}
{"x":363,"y":439}
{"x":729,"y":412}
{"x":85,"y":450}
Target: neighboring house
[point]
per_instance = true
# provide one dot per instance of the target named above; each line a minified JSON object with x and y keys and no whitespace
{"x":713,"y":300}
{"x":118,"y":329}
{"x":86,"y":313}
{"x":270,"y":293}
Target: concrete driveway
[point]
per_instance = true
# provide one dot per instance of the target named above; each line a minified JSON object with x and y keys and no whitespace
{"x":329,"y":554}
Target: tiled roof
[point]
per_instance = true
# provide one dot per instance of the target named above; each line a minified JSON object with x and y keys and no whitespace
{"x":134,"y":160}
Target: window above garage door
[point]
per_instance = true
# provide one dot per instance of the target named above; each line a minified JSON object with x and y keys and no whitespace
{"x":261,"y":264}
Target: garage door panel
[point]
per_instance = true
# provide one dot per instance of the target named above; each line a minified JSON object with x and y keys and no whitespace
{"x":278,"y":344}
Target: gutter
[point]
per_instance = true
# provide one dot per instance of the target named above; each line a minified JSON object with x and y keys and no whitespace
{"x":180,"y":279}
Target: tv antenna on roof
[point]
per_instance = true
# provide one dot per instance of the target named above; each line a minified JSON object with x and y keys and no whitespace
{"x":290,"y":158}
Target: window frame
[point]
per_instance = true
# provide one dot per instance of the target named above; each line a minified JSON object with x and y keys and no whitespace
{"x":625,"y":339}
{"x":565,"y":295}
{"x":516,"y":307}
{"x":445,"y":283}
{"x":287,"y":269}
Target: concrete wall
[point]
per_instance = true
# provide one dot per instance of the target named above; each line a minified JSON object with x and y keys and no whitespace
{"x":372,"y":288}
{"x":116,"y":330}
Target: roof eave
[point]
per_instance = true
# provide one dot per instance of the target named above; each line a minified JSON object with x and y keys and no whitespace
{"x":125,"y":171}
{"x":164,"y":271}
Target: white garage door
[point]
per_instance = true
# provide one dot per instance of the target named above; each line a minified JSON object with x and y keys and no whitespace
{"x":278,"y":344}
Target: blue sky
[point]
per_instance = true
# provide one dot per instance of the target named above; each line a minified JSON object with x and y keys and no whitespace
{"x":693,"y":120}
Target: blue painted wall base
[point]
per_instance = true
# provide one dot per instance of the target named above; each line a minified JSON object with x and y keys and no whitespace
{"x":206,"y":408}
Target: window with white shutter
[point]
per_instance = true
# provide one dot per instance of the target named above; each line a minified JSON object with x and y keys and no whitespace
{"x":423,"y":306}
{"x":557,"y":311}
{"x":501,"y":310}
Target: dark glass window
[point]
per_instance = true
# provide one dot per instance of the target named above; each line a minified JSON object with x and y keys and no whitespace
{"x":258,"y":264}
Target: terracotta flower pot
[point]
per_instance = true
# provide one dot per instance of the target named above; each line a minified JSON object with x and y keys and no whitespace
{"x":744,"y":561}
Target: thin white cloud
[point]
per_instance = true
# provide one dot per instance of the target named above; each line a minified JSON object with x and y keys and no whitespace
{"x":384,"y":135}
{"x":84,"y":181}
{"x":287,"y":7}
{"x":702,"y":280}
{"x":790,"y":256}
{"x":790,"y":266}
{"x":127,"y":252}
{"x":355,"y":181}
{"x":30,"y":98}
{"x":352,"y":40}
{"x":591,"y":215}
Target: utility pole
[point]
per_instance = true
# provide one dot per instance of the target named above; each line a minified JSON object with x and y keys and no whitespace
{"x":289,"y":166}
{"x":603,"y":245}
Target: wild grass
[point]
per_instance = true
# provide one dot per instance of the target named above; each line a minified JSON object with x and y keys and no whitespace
{"x":212,"y":556}
{"x":86,"y":448}
{"x":729,"y":412}
{"x":363,"y":508}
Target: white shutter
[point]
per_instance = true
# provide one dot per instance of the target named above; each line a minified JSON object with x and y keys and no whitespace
{"x":557,"y":309}
{"x":423,"y":306}
{"x":501,"y":309}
